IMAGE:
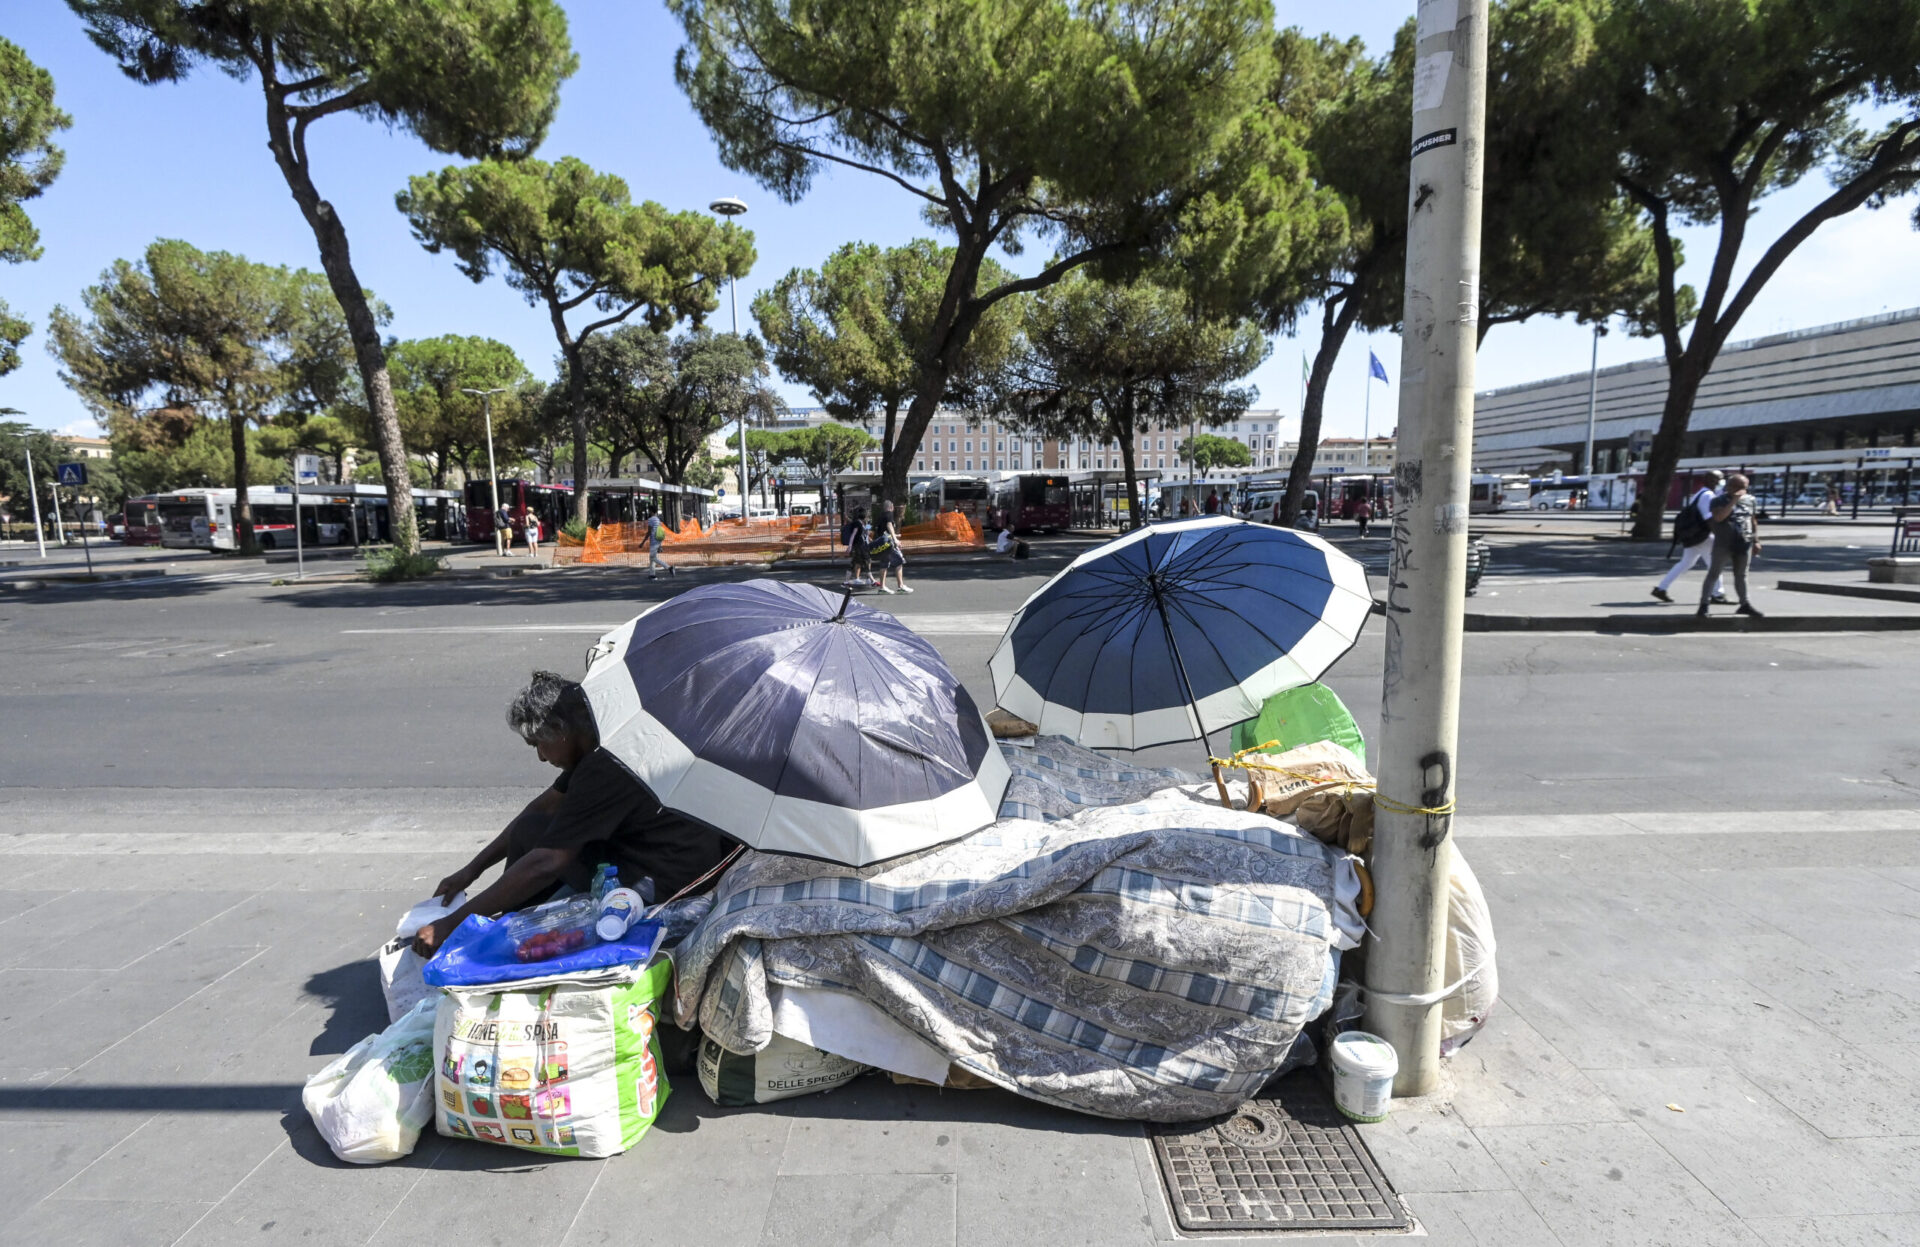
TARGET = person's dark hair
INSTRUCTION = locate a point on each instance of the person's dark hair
(550, 708)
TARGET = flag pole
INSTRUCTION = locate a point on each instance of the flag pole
(1366, 411)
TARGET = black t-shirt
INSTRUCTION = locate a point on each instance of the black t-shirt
(607, 815)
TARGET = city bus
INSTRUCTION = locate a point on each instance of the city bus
(1034, 501)
(551, 504)
(969, 495)
(1489, 494)
(140, 519)
(202, 519)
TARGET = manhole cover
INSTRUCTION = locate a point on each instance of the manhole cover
(1287, 1162)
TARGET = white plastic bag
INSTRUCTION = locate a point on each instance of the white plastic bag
(372, 1101)
(400, 966)
(1470, 957)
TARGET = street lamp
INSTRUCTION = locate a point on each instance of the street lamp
(493, 477)
(730, 208)
(33, 491)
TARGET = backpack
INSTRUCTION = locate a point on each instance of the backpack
(1689, 528)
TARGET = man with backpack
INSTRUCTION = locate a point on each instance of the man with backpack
(1736, 539)
(1693, 533)
(656, 536)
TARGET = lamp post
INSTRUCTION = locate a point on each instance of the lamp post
(1593, 383)
(493, 477)
(39, 536)
(730, 208)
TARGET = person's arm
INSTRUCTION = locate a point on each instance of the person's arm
(533, 873)
(1722, 508)
(541, 807)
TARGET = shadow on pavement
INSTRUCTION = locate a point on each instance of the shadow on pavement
(352, 991)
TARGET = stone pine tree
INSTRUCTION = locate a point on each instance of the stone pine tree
(1207, 451)
(1716, 104)
(29, 162)
(431, 377)
(1109, 133)
(1110, 361)
(473, 78)
(572, 239)
(710, 381)
(1559, 239)
(853, 332)
(201, 329)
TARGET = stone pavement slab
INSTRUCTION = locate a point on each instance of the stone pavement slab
(156, 1087)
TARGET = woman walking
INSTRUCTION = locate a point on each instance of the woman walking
(886, 547)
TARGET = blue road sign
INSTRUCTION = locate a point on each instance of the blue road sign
(73, 474)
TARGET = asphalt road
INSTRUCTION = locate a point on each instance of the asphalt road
(210, 680)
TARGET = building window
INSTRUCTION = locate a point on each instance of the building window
(969, 465)
(952, 446)
(919, 465)
(969, 446)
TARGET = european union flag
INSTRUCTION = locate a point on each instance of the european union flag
(1375, 367)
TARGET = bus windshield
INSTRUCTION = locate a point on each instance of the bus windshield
(966, 491)
(1049, 491)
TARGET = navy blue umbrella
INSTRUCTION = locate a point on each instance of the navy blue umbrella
(1179, 629)
(796, 721)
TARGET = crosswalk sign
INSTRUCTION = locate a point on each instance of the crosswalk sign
(73, 474)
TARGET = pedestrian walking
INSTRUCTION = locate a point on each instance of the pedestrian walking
(1213, 502)
(858, 539)
(1736, 539)
(1363, 515)
(502, 534)
(886, 548)
(1693, 533)
(656, 537)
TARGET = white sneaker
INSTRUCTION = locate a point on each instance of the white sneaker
(906, 588)
(884, 589)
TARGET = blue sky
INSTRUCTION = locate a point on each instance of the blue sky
(190, 161)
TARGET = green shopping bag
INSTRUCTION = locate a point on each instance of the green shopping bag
(1301, 716)
(570, 1066)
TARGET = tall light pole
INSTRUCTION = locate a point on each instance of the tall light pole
(493, 477)
(1426, 580)
(1593, 382)
(33, 492)
(730, 208)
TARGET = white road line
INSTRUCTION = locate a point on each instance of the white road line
(454, 836)
(929, 624)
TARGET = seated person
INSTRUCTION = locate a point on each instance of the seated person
(597, 811)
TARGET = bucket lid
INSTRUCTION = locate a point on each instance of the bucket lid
(1367, 1054)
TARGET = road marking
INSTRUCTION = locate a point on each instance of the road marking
(451, 836)
(928, 624)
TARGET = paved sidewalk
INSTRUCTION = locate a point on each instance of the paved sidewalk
(1707, 1035)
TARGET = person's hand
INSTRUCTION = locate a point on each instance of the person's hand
(459, 881)
(427, 940)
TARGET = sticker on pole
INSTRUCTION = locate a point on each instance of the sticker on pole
(72, 474)
(1439, 138)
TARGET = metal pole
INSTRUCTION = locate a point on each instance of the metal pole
(1366, 411)
(80, 518)
(33, 492)
(1426, 594)
(299, 537)
(1593, 382)
(59, 523)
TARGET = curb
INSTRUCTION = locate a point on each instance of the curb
(1884, 593)
(1669, 625)
(47, 580)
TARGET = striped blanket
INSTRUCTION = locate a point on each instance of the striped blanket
(1154, 960)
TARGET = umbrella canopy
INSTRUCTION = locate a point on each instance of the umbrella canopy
(1178, 629)
(796, 721)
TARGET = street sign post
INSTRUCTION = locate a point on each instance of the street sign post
(306, 471)
(74, 475)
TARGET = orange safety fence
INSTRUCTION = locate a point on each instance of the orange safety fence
(754, 541)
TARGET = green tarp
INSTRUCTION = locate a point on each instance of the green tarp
(1301, 716)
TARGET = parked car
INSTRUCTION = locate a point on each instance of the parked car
(802, 509)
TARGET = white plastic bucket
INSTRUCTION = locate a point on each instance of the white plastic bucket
(1363, 1070)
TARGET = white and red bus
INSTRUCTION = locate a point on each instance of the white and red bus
(550, 504)
(140, 520)
(1034, 501)
(202, 519)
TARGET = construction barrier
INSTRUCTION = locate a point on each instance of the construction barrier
(754, 541)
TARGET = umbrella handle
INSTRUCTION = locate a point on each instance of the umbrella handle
(842, 612)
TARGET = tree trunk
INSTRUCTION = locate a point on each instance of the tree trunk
(1683, 386)
(244, 539)
(1123, 434)
(1335, 324)
(336, 259)
(577, 414)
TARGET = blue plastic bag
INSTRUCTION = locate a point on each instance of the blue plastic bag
(471, 957)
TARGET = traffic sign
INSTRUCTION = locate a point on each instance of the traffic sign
(73, 474)
(1640, 441)
(306, 469)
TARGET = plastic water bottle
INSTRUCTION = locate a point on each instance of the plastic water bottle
(619, 909)
(605, 880)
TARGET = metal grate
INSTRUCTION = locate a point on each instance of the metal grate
(1288, 1161)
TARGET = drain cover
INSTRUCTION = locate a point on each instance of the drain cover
(1286, 1162)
